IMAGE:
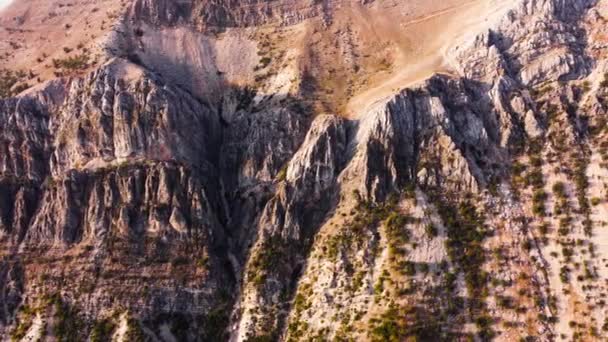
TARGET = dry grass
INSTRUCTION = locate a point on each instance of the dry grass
(33, 33)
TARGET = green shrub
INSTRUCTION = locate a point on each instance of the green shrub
(396, 228)
(269, 257)
(466, 232)
(559, 189)
(582, 183)
(564, 225)
(535, 178)
(430, 230)
(102, 330)
(134, 333)
(518, 168)
(604, 82)
(405, 324)
(282, 174)
(78, 62)
(261, 338)
(24, 322)
(68, 325)
(543, 228)
(504, 302)
(264, 62)
(538, 198)
(215, 324)
(8, 79)
(537, 93)
(409, 268)
(180, 261)
(564, 274)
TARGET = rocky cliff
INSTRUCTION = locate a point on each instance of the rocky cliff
(206, 173)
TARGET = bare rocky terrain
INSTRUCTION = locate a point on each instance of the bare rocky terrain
(302, 170)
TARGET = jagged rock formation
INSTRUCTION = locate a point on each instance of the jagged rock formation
(190, 183)
(225, 14)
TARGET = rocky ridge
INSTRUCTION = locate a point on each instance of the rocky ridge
(136, 206)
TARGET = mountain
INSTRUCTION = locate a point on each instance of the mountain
(303, 170)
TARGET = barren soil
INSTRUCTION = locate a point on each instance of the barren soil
(423, 39)
(34, 32)
(342, 63)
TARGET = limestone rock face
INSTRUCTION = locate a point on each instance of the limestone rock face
(25, 136)
(289, 220)
(117, 114)
(190, 185)
(536, 42)
(230, 13)
(110, 169)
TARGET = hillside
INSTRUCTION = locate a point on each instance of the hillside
(303, 170)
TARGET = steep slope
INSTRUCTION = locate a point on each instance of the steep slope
(297, 170)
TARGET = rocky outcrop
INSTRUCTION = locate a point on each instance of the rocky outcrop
(148, 198)
(157, 197)
(446, 132)
(538, 41)
(107, 180)
(288, 224)
(258, 145)
(120, 113)
(25, 138)
(218, 15)
(443, 135)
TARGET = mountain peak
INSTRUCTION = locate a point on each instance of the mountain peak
(290, 170)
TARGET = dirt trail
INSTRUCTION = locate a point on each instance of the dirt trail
(436, 14)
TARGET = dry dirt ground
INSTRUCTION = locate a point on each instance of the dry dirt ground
(34, 32)
(363, 54)
(422, 40)
(342, 63)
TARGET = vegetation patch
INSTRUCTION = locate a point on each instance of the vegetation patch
(298, 327)
(68, 324)
(215, 324)
(405, 324)
(134, 333)
(604, 83)
(102, 330)
(466, 233)
(582, 184)
(366, 216)
(9, 83)
(72, 64)
(269, 256)
(25, 318)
